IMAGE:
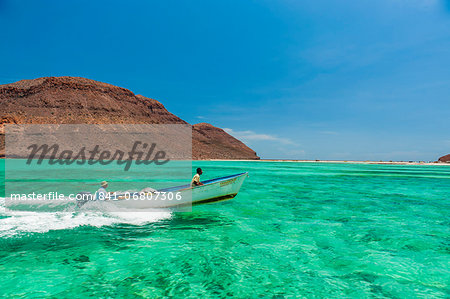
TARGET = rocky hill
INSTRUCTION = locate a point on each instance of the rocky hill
(445, 158)
(73, 100)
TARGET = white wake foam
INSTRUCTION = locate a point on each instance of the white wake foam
(18, 222)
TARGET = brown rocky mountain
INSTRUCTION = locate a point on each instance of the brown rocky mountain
(445, 158)
(73, 100)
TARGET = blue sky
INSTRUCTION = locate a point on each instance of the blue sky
(293, 79)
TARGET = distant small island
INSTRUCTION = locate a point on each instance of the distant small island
(75, 100)
(444, 159)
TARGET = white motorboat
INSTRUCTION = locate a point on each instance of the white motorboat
(214, 190)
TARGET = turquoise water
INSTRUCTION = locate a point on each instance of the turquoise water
(294, 230)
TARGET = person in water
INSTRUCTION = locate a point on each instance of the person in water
(196, 178)
(101, 193)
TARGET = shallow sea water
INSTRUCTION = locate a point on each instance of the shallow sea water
(294, 230)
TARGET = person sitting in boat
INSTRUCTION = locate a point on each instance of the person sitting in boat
(196, 178)
(101, 193)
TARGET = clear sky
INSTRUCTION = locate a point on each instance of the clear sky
(293, 79)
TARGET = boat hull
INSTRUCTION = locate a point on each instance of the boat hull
(215, 190)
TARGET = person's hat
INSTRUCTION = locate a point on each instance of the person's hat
(104, 183)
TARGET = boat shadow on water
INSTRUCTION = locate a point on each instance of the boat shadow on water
(182, 220)
(198, 220)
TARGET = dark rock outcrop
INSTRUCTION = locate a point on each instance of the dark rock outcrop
(444, 159)
(74, 100)
(218, 144)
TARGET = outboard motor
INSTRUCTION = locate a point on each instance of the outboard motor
(83, 198)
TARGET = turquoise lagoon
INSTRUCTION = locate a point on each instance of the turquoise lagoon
(294, 230)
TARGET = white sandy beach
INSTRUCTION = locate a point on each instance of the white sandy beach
(340, 161)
